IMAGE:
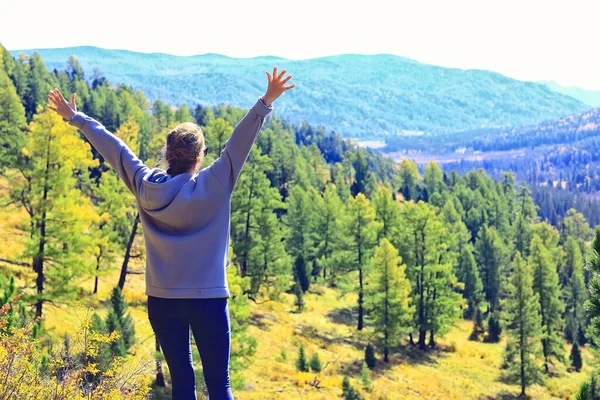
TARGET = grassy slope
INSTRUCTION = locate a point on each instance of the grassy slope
(461, 369)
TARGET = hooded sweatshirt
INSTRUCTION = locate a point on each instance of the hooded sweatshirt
(185, 218)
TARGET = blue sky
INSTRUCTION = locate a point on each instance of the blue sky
(525, 39)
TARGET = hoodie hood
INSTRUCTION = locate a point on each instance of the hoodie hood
(160, 189)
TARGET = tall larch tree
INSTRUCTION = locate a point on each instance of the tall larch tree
(545, 284)
(362, 229)
(490, 255)
(523, 326)
(388, 296)
(59, 214)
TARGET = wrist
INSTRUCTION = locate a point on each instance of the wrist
(267, 100)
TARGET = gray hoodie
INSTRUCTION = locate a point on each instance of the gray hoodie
(185, 218)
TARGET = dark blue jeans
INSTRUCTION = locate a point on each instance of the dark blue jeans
(171, 320)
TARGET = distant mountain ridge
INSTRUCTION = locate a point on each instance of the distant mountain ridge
(367, 96)
(591, 97)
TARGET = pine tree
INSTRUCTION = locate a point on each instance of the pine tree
(299, 293)
(328, 235)
(468, 273)
(574, 293)
(388, 297)
(349, 392)
(526, 216)
(301, 273)
(117, 347)
(301, 362)
(315, 363)
(12, 120)
(50, 195)
(494, 328)
(408, 179)
(478, 328)
(545, 284)
(366, 377)
(422, 244)
(592, 305)
(300, 221)
(575, 357)
(362, 229)
(387, 212)
(523, 325)
(370, 358)
(490, 256)
(125, 322)
(433, 179)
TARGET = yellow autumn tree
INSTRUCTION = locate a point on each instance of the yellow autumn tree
(60, 215)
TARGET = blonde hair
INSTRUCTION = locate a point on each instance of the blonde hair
(183, 149)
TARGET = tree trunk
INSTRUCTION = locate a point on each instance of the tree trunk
(160, 378)
(128, 251)
(431, 340)
(411, 339)
(97, 269)
(360, 299)
(422, 337)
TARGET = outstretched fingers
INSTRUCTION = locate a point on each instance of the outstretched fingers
(270, 77)
(289, 87)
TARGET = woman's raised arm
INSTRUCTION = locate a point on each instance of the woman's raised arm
(228, 166)
(127, 165)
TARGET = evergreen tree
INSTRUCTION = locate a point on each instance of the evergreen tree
(575, 357)
(523, 326)
(526, 216)
(300, 221)
(494, 328)
(12, 120)
(117, 347)
(408, 179)
(433, 179)
(574, 293)
(299, 293)
(388, 297)
(315, 363)
(301, 275)
(362, 169)
(370, 358)
(468, 273)
(363, 230)
(592, 305)
(545, 284)
(478, 328)
(490, 256)
(387, 212)
(349, 392)
(301, 362)
(422, 244)
(125, 322)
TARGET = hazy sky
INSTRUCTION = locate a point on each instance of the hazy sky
(524, 39)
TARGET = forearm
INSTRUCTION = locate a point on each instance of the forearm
(111, 148)
(237, 148)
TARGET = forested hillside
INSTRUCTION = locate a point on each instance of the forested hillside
(364, 96)
(351, 277)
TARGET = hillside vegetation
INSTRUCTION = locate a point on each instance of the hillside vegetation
(357, 95)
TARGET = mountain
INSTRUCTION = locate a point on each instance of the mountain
(567, 130)
(367, 96)
(590, 97)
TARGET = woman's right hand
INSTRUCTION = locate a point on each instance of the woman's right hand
(276, 86)
(60, 105)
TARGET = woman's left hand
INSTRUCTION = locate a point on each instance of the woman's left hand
(60, 105)
(276, 86)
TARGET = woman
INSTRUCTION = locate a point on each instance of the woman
(185, 216)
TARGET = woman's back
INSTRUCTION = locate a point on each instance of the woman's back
(185, 218)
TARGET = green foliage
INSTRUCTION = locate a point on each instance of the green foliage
(315, 363)
(388, 297)
(491, 256)
(575, 357)
(545, 284)
(523, 326)
(301, 275)
(125, 324)
(301, 361)
(494, 328)
(349, 392)
(370, 358)
(478, 328)
(299, 293)
(12, 120)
